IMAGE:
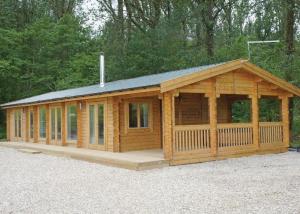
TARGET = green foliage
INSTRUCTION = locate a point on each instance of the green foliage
(47, 46)
(241, 111)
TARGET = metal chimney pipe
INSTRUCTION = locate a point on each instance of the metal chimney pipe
(102, 72)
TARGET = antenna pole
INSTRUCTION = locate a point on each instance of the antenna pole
(259, 42)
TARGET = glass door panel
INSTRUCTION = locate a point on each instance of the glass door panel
(58, 123)
(101, 124)
(97, 125)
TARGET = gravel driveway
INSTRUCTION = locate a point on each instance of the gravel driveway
(46, 184)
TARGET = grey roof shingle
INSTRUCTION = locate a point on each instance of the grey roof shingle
(119, 85)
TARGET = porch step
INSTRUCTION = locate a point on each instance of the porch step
(29, 151)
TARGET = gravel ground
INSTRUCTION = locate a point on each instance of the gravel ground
(47, 184)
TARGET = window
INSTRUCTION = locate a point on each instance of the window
(138, 115)
(42, 118)
(72, 122)
(18, 123)
(96, 124)
(31, 124)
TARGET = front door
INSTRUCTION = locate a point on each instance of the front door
(97, 126)
(55, 127)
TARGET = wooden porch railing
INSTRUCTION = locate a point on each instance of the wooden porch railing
(234, 135)
(270, 132)
(191, 138)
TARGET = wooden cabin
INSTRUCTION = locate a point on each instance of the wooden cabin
(185, 113)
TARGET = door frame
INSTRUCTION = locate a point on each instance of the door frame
(55, 141)
(96, 145)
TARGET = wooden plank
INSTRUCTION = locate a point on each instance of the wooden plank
(79, 108)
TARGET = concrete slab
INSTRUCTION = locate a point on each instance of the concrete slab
(135, 160)
(29, 151)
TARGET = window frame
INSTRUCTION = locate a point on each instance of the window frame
(56, 139)
(127, 116)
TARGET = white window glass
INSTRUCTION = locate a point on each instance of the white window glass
(101, 124)
(144, 115)
(72, 122)
(133, 121)
(92, 124)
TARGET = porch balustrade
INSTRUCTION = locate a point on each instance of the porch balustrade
(189, 138)
(271, 133)
(196, 138)
(234, 135)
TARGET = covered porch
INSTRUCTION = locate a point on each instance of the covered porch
(221, 117)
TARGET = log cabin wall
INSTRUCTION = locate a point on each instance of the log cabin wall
(140, 138)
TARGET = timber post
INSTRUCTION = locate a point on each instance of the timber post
(35, 125)
(80, 106)
(8, 138)
(116, 125)
(63, 124)
(285, 120)
(167, 125)
(255, 116)
(47, 124)
(213, 120)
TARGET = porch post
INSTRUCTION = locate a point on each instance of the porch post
(8, 125)
(167, 103)
(285, 120)
(255, 116)
(213, 120)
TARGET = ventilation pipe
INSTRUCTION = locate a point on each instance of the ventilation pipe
(102, 72)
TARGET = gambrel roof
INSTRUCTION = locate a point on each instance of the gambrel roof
(166, 81)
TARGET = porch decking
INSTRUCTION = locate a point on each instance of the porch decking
(135, 160)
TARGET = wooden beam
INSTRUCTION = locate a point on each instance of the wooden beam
(79, 123)
(35, 124)
(116, 124)
(8, 123)
(285, 120)
(255, 115)
(63, 125)
(47, 124)
(213, 119)
(167, 125)
(27, 125)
